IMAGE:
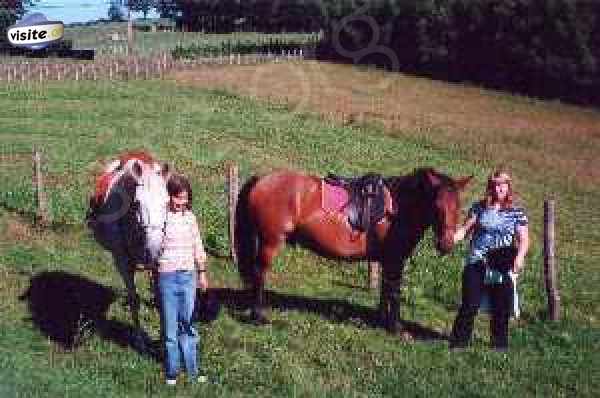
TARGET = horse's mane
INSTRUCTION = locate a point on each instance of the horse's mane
(415, 182)
(140, 155)
(113, 171)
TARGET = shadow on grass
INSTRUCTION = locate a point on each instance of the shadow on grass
(69, 308)
(336, 310)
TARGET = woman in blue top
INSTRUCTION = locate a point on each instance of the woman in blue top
(499, 243)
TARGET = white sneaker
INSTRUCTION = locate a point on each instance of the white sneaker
(171, 382)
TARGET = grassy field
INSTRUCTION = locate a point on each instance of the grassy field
(322, 341)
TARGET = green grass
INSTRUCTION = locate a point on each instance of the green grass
(305, 352)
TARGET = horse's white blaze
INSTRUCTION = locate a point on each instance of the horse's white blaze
(151, 196)
(151, 193)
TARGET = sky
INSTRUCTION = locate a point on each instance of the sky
(69, 11)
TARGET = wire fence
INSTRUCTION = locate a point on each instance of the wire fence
(128, 68)
(27, 187)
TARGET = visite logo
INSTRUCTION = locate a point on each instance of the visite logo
(34, 31)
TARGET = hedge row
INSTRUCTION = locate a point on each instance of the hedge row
(271, 45)
(539, 47)
(547, 48)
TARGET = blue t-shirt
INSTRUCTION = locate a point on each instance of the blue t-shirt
(494, 229)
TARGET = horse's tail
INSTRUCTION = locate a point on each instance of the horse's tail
(245, 235)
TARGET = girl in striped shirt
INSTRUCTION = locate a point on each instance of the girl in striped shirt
(499, 243)
(181, 268)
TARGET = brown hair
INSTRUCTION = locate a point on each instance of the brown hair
(177, 184)
(500, 175)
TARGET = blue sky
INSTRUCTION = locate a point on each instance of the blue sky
(69, 11)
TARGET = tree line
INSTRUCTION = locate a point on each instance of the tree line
(548, 48)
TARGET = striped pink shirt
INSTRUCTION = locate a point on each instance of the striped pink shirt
(182, 243)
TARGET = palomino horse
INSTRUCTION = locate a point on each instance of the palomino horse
(288, 206)
(127, 214)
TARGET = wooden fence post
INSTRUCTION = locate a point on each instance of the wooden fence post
(234, 189)
(550, 267)
(373, 266)
(374, 274)
(129, 34)
(42, 213)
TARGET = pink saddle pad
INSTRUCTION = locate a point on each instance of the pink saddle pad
(334, 198)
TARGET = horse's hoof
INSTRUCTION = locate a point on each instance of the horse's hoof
(139, 342)
(406, 337)
(392, 328)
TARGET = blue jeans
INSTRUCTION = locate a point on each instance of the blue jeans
(177, 292)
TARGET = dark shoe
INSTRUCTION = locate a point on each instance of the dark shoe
(501, 349)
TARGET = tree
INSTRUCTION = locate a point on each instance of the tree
(167, 8)
(115, 13)
(143, 6)
(10, 12)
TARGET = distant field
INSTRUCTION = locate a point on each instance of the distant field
(99, 37)
(321, 342)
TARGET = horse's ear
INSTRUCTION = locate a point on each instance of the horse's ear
(462, 182)
(433, 178)
(137, 170)
(165, 170)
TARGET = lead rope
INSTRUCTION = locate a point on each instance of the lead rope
(164, 236)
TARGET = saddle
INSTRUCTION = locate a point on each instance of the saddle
(366, 198)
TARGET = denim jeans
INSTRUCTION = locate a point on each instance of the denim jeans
(177, 291)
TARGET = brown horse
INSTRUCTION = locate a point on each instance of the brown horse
(287, 205)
